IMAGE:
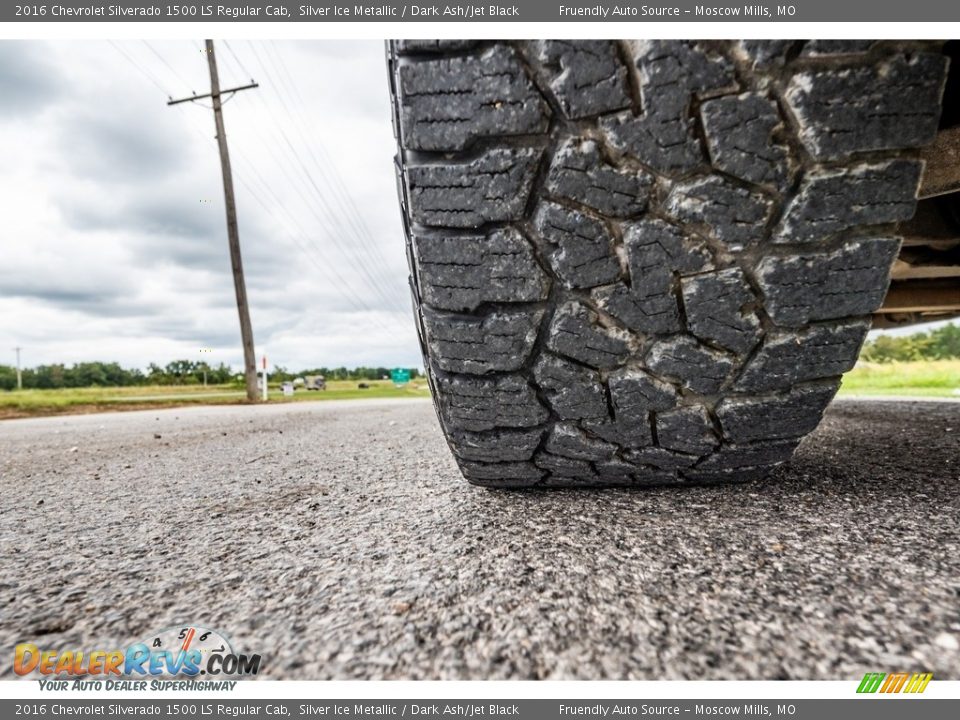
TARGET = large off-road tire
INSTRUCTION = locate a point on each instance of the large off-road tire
(650, 262)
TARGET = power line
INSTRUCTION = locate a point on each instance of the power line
(390, 290)
(343, 284)
(346, 291)
(139, 68)
(339, 185)
(334, 181)
(169, 66)
(375, 260)
(238, 60)
(362, 268)
(233, 233)
(345, 287)
(365, 240)
(279, 203)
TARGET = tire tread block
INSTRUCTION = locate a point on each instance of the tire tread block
(891, 104)
(788, 358)
(490, 188)
(732, 214)
(496, 445)
(687, 429)
(695, 366)
(831, 201)
(714, 305)
(476, 404)
(461, 273)
(581, 247)
(576, 333)
(496, 342)
(847, 282)
(586, 76)
(579, 173)
(448, 102)
(739, 132)
(671, 73)
(656, 251)
(788, 416)
(572, 391)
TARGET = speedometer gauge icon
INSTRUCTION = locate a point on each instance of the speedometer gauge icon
(199, 642)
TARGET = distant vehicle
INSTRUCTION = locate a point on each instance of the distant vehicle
(315, 382)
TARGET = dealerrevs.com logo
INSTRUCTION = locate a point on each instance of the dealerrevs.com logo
(184, 653)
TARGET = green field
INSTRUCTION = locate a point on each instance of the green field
(929, 378)
(26, 403)
(937, 378)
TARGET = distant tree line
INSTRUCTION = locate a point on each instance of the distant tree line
(178, 372)
(940, 344)
(341, 373)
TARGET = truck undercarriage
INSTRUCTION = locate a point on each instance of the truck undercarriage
(925, 280)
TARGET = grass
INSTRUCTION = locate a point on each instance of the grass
(29, 403)
(939, 378)
(933, 378)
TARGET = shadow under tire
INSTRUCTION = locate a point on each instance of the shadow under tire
(650, 262)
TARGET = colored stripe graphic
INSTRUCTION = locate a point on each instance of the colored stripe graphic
(895, 682)
(870, 682)
(918, 682)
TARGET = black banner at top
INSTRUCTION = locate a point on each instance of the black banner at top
(518, 11)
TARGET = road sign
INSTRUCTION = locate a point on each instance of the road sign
(400, 376)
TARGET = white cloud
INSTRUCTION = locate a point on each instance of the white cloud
(114, 237)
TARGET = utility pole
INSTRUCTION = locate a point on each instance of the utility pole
(233, 233)
(19, 376)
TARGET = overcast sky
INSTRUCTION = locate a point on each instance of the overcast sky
(113, 234)
(113, 242)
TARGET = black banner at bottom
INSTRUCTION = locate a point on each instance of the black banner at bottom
(872, 707)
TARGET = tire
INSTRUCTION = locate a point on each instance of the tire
(650, 263)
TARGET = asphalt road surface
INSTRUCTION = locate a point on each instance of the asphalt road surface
(337, 540)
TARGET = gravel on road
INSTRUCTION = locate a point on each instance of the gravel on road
(338, 540)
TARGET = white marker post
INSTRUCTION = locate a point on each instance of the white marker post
(264, 377)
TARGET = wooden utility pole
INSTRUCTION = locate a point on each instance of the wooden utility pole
(233, 233)
(19, 376)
